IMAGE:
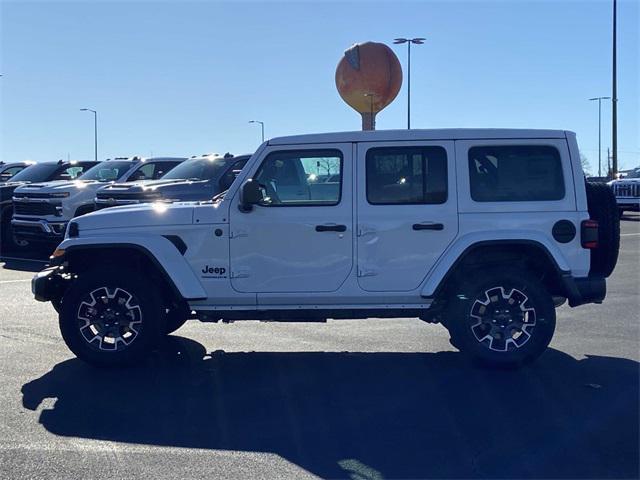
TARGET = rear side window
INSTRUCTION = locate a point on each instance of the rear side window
(406, 175)
(515, 173)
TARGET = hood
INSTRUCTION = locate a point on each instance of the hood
(141, 185)
(59, 186)
(133, 216)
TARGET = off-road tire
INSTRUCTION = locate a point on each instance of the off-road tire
(602, 206)
(8, 242)
(143, 304)
(468, 328)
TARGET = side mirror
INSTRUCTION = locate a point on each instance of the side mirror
(250, 194)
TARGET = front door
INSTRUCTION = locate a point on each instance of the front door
(299, 238)
(407, 211)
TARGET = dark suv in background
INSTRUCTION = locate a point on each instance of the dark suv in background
(198, 178)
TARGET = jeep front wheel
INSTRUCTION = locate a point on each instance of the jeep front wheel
(111, 318)
(503, 317)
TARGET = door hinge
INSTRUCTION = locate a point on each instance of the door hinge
(365, 230)
(240, 274)
(238, 234)
(363, 272)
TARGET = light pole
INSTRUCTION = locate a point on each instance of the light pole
(261, 127)
(95, 130)
(409, 41)
(599, 99)
(614, 100)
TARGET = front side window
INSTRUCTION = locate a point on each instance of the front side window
(229, 177)
(406, 175)
(515, 173)
(301, 178)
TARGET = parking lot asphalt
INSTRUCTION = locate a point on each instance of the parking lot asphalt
(365, 399)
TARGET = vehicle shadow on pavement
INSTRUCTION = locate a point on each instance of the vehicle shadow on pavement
(362, 415)
(21, 265)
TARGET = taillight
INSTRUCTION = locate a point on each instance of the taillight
(589, 234)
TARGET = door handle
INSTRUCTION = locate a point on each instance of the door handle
(428, 226)
(331, 228)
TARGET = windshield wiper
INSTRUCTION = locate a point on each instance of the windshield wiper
(220, 195)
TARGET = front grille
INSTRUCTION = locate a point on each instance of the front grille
(39, 208)
(31, 195)
(626, 189)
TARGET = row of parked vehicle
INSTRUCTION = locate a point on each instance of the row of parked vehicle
(37, 200)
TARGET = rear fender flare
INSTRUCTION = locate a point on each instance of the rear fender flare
(464, 244)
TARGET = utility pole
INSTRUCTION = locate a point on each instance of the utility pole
(609, 176)
(614, 100)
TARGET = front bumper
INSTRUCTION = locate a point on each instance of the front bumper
(628, 203)
(38, 230)
(48, 284)
(584, 290)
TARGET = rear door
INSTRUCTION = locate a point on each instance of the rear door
(407, 211)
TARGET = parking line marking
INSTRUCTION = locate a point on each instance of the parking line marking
(16, 281)
(629, 234)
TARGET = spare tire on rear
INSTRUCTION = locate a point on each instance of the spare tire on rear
(602, 207)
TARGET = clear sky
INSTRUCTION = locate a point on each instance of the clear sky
(184, 78)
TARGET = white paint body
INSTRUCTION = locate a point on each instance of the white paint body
(273, 258)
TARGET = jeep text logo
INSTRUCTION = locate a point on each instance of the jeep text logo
(217, 271)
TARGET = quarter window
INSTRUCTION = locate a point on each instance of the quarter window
(301, 178)
(406, 175)
(515, 173)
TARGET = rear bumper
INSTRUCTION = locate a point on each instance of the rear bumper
(584, 290)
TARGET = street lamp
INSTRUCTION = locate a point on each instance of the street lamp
(599, 99)
(95, 130)
(261, 127)
(409, 41)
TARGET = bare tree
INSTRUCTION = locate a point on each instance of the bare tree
(586, 166)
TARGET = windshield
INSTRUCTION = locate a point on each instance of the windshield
(106, 171)
(40, 172)
(198, 169)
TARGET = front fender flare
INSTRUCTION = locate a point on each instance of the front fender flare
(160, 251)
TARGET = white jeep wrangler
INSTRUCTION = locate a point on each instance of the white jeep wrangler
(484, 231)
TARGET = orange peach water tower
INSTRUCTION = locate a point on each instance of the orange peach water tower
(368, 78)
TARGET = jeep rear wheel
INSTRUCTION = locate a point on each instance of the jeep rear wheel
(506, 317)
(111, 318)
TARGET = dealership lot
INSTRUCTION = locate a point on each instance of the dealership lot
(356, 399)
